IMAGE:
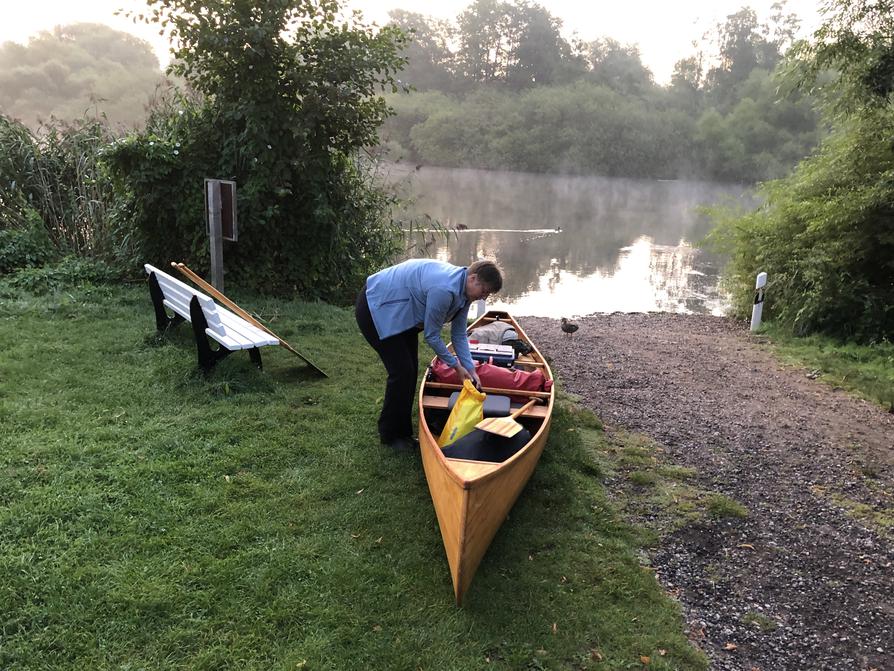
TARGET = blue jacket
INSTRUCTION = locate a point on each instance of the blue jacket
(423, 293)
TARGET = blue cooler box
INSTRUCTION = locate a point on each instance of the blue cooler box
(503, 355)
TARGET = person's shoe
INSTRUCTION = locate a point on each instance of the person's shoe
(407, 444)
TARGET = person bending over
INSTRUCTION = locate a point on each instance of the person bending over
(400, 301)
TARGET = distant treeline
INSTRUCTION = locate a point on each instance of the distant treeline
(85, 67)
(501, 88)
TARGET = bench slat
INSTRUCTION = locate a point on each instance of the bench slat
(178, 296)
(228, 341)
(227, 328)
(237, 327)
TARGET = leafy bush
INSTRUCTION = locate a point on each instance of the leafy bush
(54, 179)
(288, 101)
(71, 271)
(24, 247)
(824, 237)
(590, 128)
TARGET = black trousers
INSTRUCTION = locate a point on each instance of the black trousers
(400, 354)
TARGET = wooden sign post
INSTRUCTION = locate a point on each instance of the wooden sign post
(220, 213)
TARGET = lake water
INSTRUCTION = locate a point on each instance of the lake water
(572, 246)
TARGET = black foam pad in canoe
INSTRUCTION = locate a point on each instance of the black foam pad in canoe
(494, 405)
(484, 446)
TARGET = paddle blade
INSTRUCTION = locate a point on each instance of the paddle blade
(501, 426)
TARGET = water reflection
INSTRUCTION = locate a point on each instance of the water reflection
(576, 245)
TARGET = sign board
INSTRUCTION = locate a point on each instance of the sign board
(227, 200)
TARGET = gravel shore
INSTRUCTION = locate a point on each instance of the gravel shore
(806, 580)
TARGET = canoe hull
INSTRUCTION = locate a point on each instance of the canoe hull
(471, 498)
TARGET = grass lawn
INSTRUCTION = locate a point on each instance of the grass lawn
(867, 370)
(152, 518)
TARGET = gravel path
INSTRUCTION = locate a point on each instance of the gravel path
(796, 452)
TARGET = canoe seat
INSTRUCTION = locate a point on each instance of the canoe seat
(494, 405)
(432, 402)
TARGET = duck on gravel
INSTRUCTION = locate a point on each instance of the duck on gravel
(568, 327)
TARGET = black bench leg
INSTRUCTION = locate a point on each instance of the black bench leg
(162, 321)
(255, 355)
(207, 356)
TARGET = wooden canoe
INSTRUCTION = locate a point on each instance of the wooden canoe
(473, 498)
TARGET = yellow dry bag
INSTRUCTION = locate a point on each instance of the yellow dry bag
(467, 412)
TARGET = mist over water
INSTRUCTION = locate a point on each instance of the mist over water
(572, 246)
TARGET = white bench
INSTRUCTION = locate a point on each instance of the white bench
(208, 319)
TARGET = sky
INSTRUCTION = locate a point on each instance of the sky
(663, 30)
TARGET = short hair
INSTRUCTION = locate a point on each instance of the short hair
(488, 273)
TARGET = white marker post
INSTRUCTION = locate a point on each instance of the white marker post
(758, 308)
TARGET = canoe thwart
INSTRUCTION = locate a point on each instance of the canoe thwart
(492, 390)
(431, 402)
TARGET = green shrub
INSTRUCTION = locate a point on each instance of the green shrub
(824, 237)
(70, 271)
(53, 179)
(25, 247)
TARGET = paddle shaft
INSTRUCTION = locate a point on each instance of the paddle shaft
(182, 267)
(527, 405)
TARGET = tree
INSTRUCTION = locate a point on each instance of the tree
(857, 42)
(618, 66)
(64, 72)
(543, 57)
(514, 43)
(430, 62)
(485, 43)
(745, 44)
(687, 82)
(288, 98)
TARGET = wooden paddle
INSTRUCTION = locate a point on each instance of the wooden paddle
(242, 313)
(505, 427)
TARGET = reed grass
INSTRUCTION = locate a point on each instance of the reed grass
(56, 173)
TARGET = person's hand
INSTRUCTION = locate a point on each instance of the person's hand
(465, 374)
(475, 379)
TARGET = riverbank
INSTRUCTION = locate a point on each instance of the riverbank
(800, 575)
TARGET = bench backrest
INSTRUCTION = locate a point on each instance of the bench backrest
(178, 296)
